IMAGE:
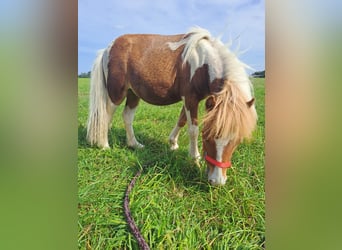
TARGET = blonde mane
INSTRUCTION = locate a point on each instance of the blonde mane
(230, 117)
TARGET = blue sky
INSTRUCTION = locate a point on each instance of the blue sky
(240, 21)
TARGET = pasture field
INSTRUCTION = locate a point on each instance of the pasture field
(172, 202)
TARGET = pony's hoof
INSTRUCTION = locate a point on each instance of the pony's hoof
(197, 162)
(136, 145)
(105, 147)
(196, 157)
(139, 146)
(174, 146)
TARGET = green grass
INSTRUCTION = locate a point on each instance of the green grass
(172, 202)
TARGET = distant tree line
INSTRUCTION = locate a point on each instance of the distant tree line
(259, 74)
(84, 75)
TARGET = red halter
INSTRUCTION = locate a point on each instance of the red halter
(217, 163)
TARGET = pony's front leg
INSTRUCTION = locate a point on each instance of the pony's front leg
(173, 138)
(191, 112)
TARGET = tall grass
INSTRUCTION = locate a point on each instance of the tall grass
(172, 202)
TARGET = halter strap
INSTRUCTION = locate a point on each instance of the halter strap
(217, 163)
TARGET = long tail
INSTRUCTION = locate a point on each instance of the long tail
(97, 126)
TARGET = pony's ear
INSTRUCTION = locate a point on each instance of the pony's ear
(210, 103)
(250, 103)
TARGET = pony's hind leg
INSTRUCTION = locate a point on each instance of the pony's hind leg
(111, 107)
(173, 138)
(132, 102)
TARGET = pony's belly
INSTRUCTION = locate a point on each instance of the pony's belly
(156, 94)
(158, 100)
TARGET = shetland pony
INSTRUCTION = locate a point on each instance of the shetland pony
(165, 69)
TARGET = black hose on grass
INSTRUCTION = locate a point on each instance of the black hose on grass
(131, 223)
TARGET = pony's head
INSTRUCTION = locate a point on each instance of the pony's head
(229, 119)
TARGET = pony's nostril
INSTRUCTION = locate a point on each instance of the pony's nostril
(212, 181)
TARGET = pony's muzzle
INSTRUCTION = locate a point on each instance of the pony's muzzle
(216, 177)
(216, 182)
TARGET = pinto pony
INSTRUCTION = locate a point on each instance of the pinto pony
(165, 69)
